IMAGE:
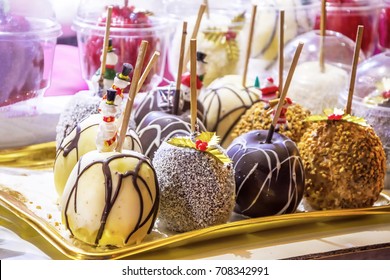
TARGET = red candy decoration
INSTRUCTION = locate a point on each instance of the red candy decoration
(335, 117)
(201, 145)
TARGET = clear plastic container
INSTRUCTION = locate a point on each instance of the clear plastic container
(384, 26)
(219, 36)
(28, 33)
(300, 18)
(369, 100)
(129, 26)
(28, 36)
(311, 87)
(338, 49)
(345, 16)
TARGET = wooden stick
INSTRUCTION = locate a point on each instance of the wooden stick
(323, 35)
(206, 3)
(132, 93)
(284, 93)
(194, 93)
(105, 47)
(249, 44)
(146, 72)
(281, 51)
(355, 62)
(195, 32)
(180, 69)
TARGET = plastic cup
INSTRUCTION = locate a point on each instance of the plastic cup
(338, 49)
(346, 16)
(129, 26)
(384, 26)
(299, 18)
(219, 35)
(28, 33)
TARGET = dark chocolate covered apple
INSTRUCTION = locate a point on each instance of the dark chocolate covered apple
(269, 177)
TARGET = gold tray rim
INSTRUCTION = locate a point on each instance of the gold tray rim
(24, 157)
(53, 237)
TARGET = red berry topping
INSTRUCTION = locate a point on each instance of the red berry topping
(202, 146)
(335, 117)
(230, 35)
(386, 94)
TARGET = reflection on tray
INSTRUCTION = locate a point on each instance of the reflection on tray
(38, 156)
(29, 196)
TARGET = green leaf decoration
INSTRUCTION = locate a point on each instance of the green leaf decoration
(239, 19)
(328, 112)
(354, 119)
(210, 137)
(218, 36)
(346, 118)
(232, 50)
(183, 142)
(316, 118)
(212, 140)
(218, 155)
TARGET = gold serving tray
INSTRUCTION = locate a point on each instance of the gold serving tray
(28, 203)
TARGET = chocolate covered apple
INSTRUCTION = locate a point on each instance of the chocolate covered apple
(344, 160)
(157, 127)
(162, 99)
(81, 140)
(224, 101)
(111, 197)
(172, 99)
(259, 117)
(269, 177)
(196, 182)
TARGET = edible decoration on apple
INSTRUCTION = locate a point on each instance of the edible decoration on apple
(258, 117)
(168, 120)
(195, 176)
(228, 97)
(111, 198)
(269, 173)
(343, 157)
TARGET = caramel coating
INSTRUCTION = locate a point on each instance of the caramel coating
(256, 118)
(344, 164)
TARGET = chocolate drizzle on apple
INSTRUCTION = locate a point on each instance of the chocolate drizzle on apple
(157, 127)
(163, 99)
(214, 97)
(110, 197)
(73, 144)
(270, 177)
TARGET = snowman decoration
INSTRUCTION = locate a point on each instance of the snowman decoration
(185, 87)
(109, 70)
(106, 139)
(122, 81)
